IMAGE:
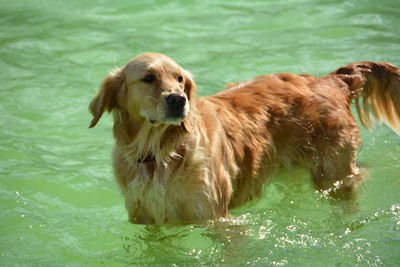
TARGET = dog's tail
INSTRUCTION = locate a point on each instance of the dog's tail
(375, 87)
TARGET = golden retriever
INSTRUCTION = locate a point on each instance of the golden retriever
(182, 159)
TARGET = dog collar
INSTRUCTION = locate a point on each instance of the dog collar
(148, 159)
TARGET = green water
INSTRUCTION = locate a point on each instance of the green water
(58, 201)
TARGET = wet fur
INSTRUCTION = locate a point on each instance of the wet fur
(230, 144)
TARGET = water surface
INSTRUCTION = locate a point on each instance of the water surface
(59, 203)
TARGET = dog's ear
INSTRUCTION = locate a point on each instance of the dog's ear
(106, 98)
(190, 89)
(190, 86)
(186, 126)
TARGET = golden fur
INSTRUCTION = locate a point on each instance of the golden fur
(224, 148)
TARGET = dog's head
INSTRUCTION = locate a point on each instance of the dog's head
(150, 87)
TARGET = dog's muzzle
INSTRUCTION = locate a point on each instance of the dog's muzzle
(175, 106)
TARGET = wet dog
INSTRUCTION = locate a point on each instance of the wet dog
(181, 159)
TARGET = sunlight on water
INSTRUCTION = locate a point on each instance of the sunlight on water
(59, 203)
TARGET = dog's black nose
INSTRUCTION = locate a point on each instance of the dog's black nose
(176, 105)
(176, 101)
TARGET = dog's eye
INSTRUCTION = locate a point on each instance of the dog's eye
(180, 79)
(149, 78)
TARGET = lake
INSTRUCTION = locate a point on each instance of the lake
(59, 203)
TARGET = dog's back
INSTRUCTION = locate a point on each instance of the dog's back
(286, 119)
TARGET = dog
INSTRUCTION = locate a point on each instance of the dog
(182, 159)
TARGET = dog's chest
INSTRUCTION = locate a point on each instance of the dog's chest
(169, 195)
(153, 195)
